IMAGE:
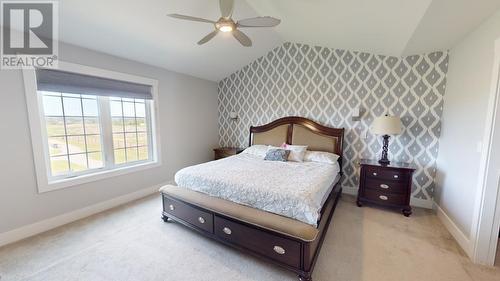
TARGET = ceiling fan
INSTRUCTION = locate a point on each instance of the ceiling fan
(226, 24)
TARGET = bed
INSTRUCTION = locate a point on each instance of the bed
(278, 211)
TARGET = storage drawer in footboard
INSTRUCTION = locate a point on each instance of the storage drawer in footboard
(278, 248)
(190, 214)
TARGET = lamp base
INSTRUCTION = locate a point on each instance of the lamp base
(385, 147)
(384, 162)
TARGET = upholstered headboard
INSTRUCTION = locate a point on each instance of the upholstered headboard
(299, 131)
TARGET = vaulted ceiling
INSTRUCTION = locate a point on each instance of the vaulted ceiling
(141, 31)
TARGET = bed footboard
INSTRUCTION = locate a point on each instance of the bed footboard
(282, 249)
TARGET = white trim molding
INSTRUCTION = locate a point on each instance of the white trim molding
(486, 217)
(50, 223)
(47, 183)
(462, 239)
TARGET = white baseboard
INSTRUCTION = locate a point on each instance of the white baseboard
(459, 236)
(50, 223)
(415, 202)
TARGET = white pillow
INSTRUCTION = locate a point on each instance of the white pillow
(269, 147)
(297, 152)
(257, 150)
(321, 157)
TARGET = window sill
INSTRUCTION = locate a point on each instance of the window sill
(64, 183)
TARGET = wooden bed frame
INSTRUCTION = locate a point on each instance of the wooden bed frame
(300, 256)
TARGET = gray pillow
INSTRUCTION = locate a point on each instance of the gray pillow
(276, 154)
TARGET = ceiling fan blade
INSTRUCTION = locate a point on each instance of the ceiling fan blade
(259, 22)
(208, 37)
(226, 8)
(190, 18)
(240, 36)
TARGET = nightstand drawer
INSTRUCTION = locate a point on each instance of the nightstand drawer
(386, 174)
(391, 186)
(384, 197)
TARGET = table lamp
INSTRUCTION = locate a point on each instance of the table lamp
(385, 126)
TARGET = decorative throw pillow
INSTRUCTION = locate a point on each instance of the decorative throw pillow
(277, 154)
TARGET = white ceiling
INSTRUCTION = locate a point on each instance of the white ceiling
(141, 31)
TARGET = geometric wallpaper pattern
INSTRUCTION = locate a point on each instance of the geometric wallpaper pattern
(326, 84)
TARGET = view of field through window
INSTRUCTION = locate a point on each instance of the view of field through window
(75, 140)
(73, 131)
(130, 136)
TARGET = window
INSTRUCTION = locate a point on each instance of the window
(130, 133)
(73, 132)
(90, 126)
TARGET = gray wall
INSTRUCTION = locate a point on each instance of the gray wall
(325, 84)
(188, 120)
(464, 119)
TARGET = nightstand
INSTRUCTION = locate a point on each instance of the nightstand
(223, 152)
(386, 185)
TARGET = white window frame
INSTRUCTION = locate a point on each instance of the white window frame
(39, 138)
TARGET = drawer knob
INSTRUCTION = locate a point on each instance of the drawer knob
(171, 207)
(279, 250)
(375, 174)
(201, 220)
(383, 197)
(396, 176)
(384, 186)
(227, 230)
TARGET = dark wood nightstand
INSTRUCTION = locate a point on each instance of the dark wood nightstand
(386, 185)
(223, 152)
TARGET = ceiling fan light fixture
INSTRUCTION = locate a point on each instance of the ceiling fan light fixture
(226, 28)
(226, 23)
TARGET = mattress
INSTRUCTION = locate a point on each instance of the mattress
(292, 189)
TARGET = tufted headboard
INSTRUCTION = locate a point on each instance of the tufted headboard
(299, 131)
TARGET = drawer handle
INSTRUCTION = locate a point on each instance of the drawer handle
(375, 174)
(227, 230)
(279, 250)
(384, 186)
(383, 197)
(171, 207)
(396, 176)
(201, 220)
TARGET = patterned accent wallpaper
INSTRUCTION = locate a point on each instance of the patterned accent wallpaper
(325, 85)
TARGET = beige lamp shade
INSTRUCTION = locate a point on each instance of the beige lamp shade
(386, 125)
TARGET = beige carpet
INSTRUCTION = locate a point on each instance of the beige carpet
(133, 243)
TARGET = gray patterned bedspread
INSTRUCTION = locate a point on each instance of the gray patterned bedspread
(292, 189)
